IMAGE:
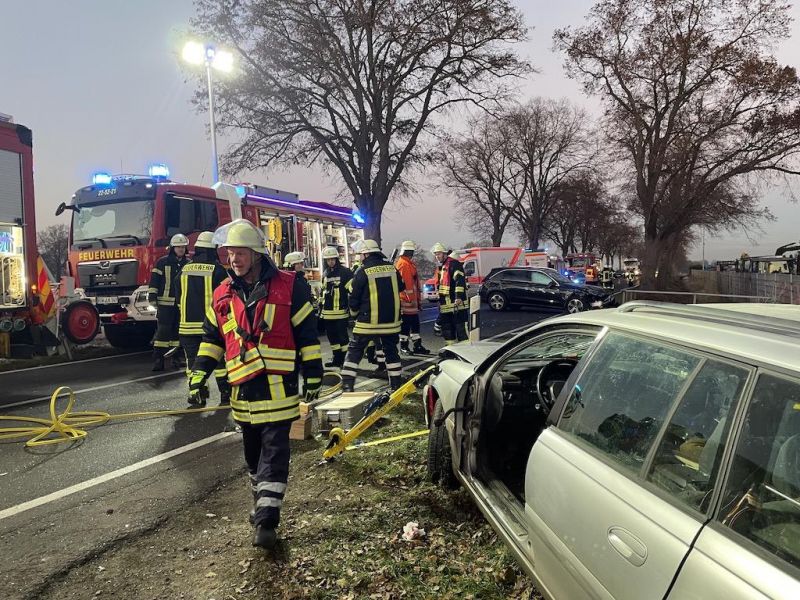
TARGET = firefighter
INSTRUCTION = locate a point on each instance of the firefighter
(161, 293)
(607, 277)
(410, 302)
(461, 314)
(259, 321)
(193, 291)
(335, 309)
(375, 302)
(452, 295)
(374, 358)
(295, 261)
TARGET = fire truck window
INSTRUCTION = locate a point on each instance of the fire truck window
(188, 215)
(469, 269)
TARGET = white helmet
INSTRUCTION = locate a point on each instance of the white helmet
(240, 233)
(408, 245)
(330, 252)
(455, 255)
(205, 240)
(178, 240)
(369, 246)
(293, 258)
(438, 247)
(356, 246)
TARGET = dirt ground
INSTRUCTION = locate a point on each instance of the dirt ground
(340, 535)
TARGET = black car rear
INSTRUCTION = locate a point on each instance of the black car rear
(510, 287)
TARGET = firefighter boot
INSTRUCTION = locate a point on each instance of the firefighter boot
(371, 355)
(419, 348)
(265, 537)
(395, 382)
(158, 359)
(404, 349)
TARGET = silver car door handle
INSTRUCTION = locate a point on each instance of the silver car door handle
(627, 545)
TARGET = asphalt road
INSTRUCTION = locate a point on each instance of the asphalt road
(32, 481)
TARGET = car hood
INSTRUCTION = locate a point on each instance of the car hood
(472, 352)
(595, 290)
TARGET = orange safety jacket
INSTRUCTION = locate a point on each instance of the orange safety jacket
(410, 298)
(267, 348)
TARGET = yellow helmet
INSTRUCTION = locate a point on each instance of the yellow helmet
(408, 245)
(438, 247)
(241, 233)
(330, 252)
(357, 246)
(293, 258)
(178, 240)
(369, 246)
(205, 240)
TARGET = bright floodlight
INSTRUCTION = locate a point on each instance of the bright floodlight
(222, 61)
(194, 53)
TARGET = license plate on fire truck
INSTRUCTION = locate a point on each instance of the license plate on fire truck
(107, 300)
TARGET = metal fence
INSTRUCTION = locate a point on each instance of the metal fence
(775, 287)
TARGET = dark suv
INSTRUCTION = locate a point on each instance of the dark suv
(508, 287)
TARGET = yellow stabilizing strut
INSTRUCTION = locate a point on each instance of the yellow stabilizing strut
(68, 426)
(339, 439)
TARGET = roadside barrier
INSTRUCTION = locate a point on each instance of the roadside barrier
(69, 426)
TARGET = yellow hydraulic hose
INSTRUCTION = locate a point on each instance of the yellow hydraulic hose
(69, 426)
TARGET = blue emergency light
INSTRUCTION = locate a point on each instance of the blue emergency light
(241, 191)
(158, 171)
(101, 179)
(358, 218)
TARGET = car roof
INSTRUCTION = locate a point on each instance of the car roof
(765, 333)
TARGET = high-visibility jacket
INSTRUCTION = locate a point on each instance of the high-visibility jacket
(194, 290)
(162, 278)
(452, 285)
(375, 299)
(410, 297)
(258, 331)
(335, 293)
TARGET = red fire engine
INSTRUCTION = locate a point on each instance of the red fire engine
(121, 225)
(583, 267)
(26, 303)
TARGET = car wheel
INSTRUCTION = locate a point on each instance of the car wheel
(575, 305)
(497, 301)
(440, 456)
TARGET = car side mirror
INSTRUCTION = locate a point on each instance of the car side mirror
(553, 285)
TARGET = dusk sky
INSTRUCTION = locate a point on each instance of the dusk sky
(100, 85)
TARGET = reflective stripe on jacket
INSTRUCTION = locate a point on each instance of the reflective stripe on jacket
(194, 290)
(452, 285)
(267, 347)
(375, 300)
(335, 293)
(162, 278)
(410, 297)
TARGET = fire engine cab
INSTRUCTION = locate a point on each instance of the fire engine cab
(583, 267)
(121, 225)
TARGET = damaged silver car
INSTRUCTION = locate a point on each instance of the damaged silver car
(650, 451)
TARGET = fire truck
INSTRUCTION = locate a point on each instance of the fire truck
(122, 224)
(26, 301)
(583, 267)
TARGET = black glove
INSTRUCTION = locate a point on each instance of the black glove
(312, 387)
(197, 381)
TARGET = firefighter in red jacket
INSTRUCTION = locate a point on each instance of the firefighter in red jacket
(262, 324)
(410, 302)
(452, 295)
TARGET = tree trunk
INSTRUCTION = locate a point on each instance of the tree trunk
(497, 238)
(372, 226)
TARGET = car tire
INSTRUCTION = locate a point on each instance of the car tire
(497, 301)
(440, 455)
(575, 305)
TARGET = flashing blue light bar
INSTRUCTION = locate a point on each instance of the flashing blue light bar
(101, 179)
(358, 218)
(241, 191)
(160, 171)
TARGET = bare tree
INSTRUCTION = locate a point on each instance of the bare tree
(477, 168)
(694, 104)
(354, 84)
(577, 209)
(53, 243)
(549, 144)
